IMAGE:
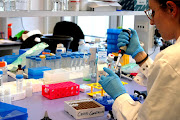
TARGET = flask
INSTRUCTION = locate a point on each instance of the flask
(7, 96)
(3, 67)
(19, 82)
(1, 79)
(29, 89)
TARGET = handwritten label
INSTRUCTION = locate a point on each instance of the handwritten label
(141, 2)
(89, 113)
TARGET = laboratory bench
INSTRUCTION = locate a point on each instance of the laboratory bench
(38, 104)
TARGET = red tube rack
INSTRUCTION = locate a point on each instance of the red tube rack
(59, 90)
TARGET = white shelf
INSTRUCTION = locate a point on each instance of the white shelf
(66, 13)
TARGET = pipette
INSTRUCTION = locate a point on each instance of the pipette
(122, 49)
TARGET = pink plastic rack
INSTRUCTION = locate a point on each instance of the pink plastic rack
(59, 90)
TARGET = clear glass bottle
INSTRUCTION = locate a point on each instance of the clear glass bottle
(29, 89)
(19, 82)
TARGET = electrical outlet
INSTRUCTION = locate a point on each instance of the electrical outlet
(143, 27)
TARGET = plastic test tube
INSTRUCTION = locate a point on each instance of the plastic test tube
(81, 65)
(28, 58)
(48, 62)
(64, 61)
(69, 50)
(68, 61)
(53, 62)
(38, 62)
(1, 78)
(33, 61)
(43, 60)
(19, 82)
(58, 62)
(76, 62)
(72, 62)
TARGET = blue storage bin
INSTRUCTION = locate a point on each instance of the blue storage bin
(10, 58)
(12, 112)
(37, 72)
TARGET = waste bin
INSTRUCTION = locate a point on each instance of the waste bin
(52, 41)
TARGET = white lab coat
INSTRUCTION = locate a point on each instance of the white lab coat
(163, 87)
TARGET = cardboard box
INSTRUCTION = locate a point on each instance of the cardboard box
(134, 5)
(73, 108)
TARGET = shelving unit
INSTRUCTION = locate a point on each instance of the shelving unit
(66, 13)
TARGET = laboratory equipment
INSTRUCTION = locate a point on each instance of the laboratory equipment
(83, 47)
(43, 60)
(1, 6)
(100, 71)
(19, 70)
(73, 5)
(72, 62)
(83, 6)
(7, 95)
(23, 5)
(64, 61)
(122, 49)
(37, 73)
(33, 61)
(48, 62)
(111, 62)
(1, 78)
(27, 64)
(19, 82)
(29, 89)
(53, 62)
(86, 73)
(58, 62)
(46, 117)
(1, 95)
(57, 5)
(89, 107)
(69, 50)
(9, 30)
(59, 90)
(3, 67)
(102, 57)
(58, 52)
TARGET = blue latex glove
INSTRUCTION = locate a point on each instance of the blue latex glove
(112, 84)
(134, 46)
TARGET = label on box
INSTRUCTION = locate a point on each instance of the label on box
(141, 2)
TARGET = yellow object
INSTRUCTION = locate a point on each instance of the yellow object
(91, 89)
(102, 92)
(94, 93)
(124, 59)
(42, 56)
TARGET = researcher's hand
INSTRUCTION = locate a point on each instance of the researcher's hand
(134, 46)
(112, 84)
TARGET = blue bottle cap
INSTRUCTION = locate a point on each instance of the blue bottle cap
(64, 56)
(47, 50)
(69, 55)
(81, 56)
(77, 56)
(48, 58)
(53, 57)
(72, 57)
(86, 54)
(33, 58)
(70, 50)
(58, 57)
(19, 76)
(1, 72)
(59, 50)
(38, 59)
(28, 57)
(89, 53)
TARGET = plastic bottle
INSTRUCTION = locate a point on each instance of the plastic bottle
(43, 60)
(38, 62)
(1, 95)
(83, 47)
(29, 89)
(53, 62)
(1, 79)
(1, 5)
(9, 30)
(61, 47)
(58, 52)
(58, 62)
(48, 62)
(33, 61)
(3, 67)
(23, 4)
(73, 5)
(19, 82)
(7, 96)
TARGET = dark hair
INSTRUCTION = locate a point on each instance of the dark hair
(163, 2)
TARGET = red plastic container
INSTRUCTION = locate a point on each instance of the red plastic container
(59, 90)
(9, 30)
